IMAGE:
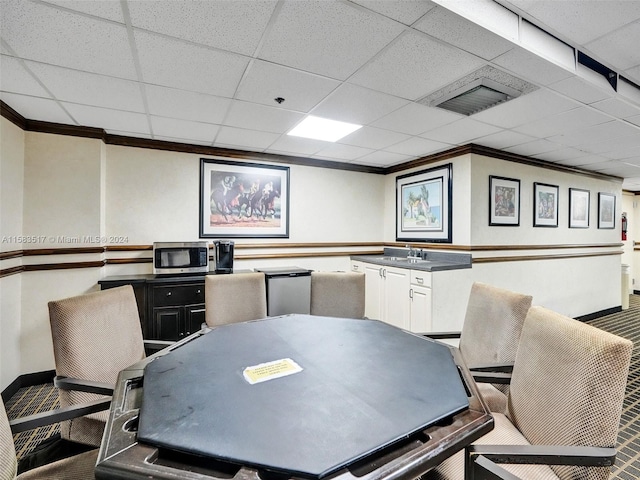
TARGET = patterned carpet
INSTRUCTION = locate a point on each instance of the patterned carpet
(626, 324)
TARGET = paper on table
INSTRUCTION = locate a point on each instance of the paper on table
(270, 370)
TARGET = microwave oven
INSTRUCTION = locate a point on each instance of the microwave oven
(180, 257)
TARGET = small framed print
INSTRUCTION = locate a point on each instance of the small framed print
(545, 205)
(578, 208)
(504, 201)
(606, 210)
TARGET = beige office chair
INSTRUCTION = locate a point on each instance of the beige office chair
(234, 298)
(490, 335)
(337, 294)
(94, 337)
(567, 389)
(77, 467)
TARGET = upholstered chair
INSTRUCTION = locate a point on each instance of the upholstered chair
(234, 298)
(567, 389)
(94, 337)
(491, 333)
(337, 294)
(77, 467)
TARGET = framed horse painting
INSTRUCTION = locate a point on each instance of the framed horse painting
(239, 199)
(424, 206)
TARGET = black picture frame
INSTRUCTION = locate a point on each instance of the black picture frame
(504, 201)
(545, 205)
(606, 210)
(579, 208)
(241, 199)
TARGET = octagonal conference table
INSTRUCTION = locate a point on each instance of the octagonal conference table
(295, 396)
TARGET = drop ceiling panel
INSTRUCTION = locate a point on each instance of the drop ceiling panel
(590, 136)
(173, 63)
(239, 137)
(371, 137)
(108, 10)
(635, 120)
(171, 102)
(15, 78)
(354, 104)
(35, 107)
(328, 38)
(235, 25)
(417, 146)
(50, 35)
(384, 159)
(107, 118)
(183, 129)
(580, 89)
(560, 154)
(265, 81)
(461, 131)
(296, 145)
(617, 107)
(406, 11)
(531, 67)
(406, 68)
(415, 119)
(344, 152)
(460, 32)
(614, 47)
(565, 122)
(504, 139)
(259, 117)
(535, 147)
(89, 88)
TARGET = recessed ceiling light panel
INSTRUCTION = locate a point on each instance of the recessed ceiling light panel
(319, 128)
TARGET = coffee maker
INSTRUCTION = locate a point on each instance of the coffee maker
(223, 251)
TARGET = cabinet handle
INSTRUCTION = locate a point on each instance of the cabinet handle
(168, 294)
(198, 291)
(354, 268)
(420, 280)
(411, 293)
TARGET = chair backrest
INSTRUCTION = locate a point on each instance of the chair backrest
(568, 385)
(8, 462)
(95, 336)
(338, 294)
(492, 324)
(234, 298)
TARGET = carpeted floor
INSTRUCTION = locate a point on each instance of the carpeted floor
(626, 324)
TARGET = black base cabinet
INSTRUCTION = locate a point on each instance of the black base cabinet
(170, 308)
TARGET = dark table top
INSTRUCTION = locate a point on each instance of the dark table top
(298, 395)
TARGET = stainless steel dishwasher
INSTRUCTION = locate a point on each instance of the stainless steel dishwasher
(288, 290)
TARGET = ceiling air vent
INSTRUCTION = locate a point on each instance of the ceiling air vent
(484, 88)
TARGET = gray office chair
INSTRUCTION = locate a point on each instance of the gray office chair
(564, 406)
(234, 298)
(338, 294)
(94, 337)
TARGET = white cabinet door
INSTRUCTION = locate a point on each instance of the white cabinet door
(420, 309)
(374, 291)
(396, 295)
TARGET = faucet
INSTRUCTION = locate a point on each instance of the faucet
(413, 252)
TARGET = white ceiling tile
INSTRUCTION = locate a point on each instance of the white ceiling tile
(262, 118)
(187, 141)
(580, 89)
(240, 137)
(460, 132)
(384, 159)
(595, 136)
(625, 152)
(526, 108)
(173, 63)
(633, 74)
(536, 147)
(171, 127)
(584, 160)
(42, 33)
(417, 146)
(564, 122)
(415, 119)
(620, 47)
(327, 38)
(37, 108)
(14, 78)
(616, 107)
(504, 139)
(108, 9)
(406, 68)
(266, 81)
(344, 152)
(371, 137)
(235, 25)
(198, 107)
(354, 104)
(297, 145)
(460, 32)
(405, 11)
(635, 120)
(89, 88)
(561, 154)
(531, 67)
(108, 119)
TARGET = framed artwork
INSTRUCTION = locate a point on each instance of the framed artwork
(504, 201)
(578, 208)
(243, 199)
(424, 205)
(606, 210)
(545, 205)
